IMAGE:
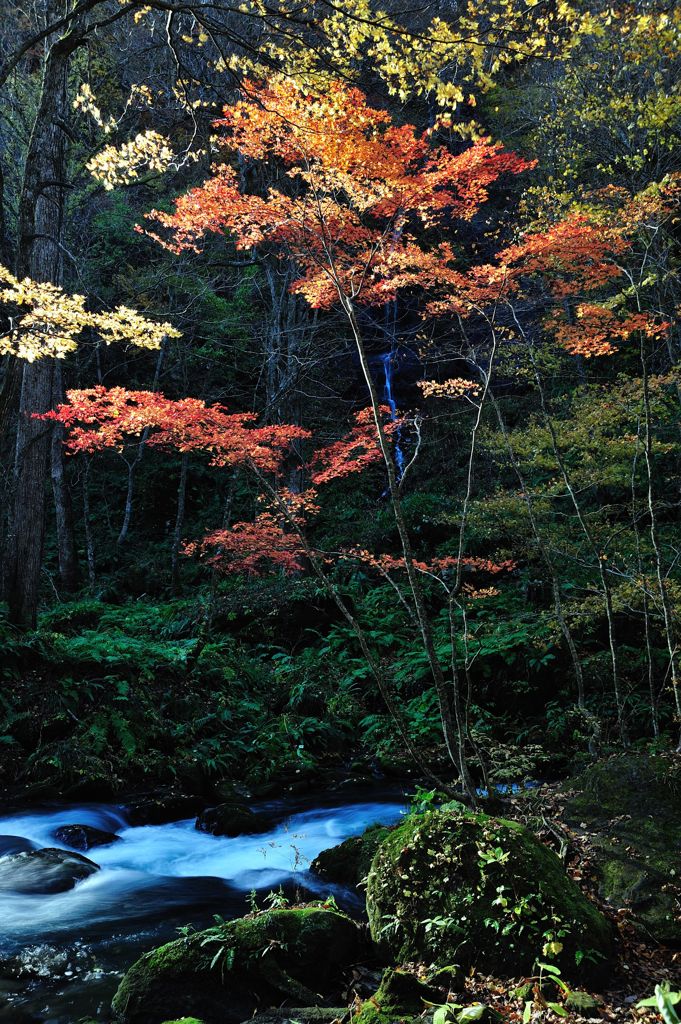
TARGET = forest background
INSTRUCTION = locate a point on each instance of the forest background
(446, 531)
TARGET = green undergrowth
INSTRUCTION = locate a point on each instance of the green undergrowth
(261, 681)
(102, 694)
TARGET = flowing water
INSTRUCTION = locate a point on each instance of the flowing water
(69, 950)
(387, 361)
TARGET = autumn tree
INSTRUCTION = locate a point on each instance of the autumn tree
(351, 213)
(201, 45)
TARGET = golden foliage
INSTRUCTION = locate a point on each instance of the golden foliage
(44, 320)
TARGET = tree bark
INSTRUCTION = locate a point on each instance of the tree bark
(69, 572)
(39, 257)
(179, 520)
(452, 722)
(87, 525)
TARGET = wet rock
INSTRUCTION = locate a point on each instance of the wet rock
(630, 805)
(48, 963)
(15, 844)
(224, 974)
(450, 886)
(43, 871)
(349, 862)
(232, 819)
(84, 837)
(161, 806)
(12, 1014)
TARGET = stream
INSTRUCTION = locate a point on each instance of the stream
(69, 950)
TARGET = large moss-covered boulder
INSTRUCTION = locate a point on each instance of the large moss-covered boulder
(184, 1020)
(223, 974)
(349, 862)
(630, 805)
(454, 887)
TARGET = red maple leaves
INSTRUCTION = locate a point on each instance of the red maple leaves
(353, 205)
(355, 452)
(99, 418)
(353, 202)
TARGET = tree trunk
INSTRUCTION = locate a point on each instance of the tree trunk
(69, 572)
(590, 718)
(89, 538)
(179, 520)
(598, 555)
(39, 257)
(452, 722)
(25, 546)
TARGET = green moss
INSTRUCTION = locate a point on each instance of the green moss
(224, 973)
(631, 806)
(400, 998)
(184, 1020)
(349, 862)
(583, 1003)
(454, 887)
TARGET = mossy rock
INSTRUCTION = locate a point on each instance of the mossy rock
(184, 1020)
(454, 887)
(400, 997)
(583, 1002)
(301, 1015)
(225, 973)
(630, 804)
(349, 863)
(450, 978)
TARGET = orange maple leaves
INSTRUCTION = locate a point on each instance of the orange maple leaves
(98, 418)
(355, 452)
(251, 548)
(351, 202)
(594, 329)
(353, 199)
(386, 564)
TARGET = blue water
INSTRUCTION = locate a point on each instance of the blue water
(75, 945)
(387, 361)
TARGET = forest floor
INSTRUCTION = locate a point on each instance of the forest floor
(640, 962)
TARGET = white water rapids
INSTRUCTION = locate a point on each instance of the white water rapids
(156, 878)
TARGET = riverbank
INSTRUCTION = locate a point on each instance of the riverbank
(63, 954)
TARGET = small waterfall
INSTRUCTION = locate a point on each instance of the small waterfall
(387, 361)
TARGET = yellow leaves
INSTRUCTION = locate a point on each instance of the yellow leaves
(444, 61)
(126, 325)
(455, 387)
(448, 94)
(85, 101)
(54, 320)
(148, 151)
